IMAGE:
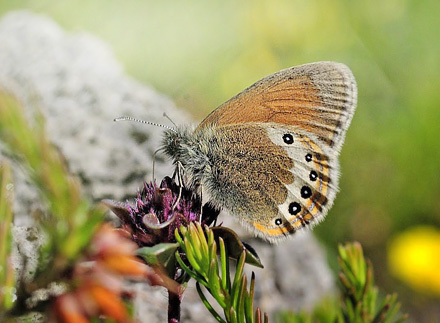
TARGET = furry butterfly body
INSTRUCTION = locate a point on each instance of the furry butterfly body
(270, 154)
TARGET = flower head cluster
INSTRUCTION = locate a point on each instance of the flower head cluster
(158, 211)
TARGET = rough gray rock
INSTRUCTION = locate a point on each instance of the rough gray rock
(80, 87)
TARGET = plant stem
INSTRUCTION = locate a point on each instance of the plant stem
(174, 301)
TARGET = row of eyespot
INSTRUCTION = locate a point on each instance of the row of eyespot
(306, 192)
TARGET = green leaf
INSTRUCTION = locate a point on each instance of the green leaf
(208, 305)
(192, 259)
(249, 300)
(67, 222)
(190, 272)
(238, 277)
(359, 295)
(195, 246)
(241, 300)
(162, 254)
(224, 263)
(7, 277)
(233, 297)
(214, 284)
(235, 246)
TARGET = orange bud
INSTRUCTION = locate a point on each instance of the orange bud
(109, 303)
(68, 310)
(108, 241)
(126, 265)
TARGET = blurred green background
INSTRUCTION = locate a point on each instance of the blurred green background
(201, 53)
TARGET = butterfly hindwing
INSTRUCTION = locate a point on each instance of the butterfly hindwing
(274, 178)
(312, 191)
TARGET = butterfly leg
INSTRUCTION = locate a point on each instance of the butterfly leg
(178, 178)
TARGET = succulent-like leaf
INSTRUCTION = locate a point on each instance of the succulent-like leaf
(208, 305)
(162, 255)
(235, 246)
(232, 296)
(359, 301)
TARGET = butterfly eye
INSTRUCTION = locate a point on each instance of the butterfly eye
(278, 221)
(308, 157)
(294, 208)
(313, 176)
(306, 192)
(288, 138)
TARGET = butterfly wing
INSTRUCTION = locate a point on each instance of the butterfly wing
(313, 188)
(279, 172)
(275, 179)
(319, 98)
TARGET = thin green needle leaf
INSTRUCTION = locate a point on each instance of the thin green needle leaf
(178, 237)
(210, 235)
(191, 258)
(237, 280)
(224, 263)
(201, 237)
(191, 273)
(7, 273)
(241, 300)
(249, 300)
(193, 244)
(214, 284)
(208, 305)
(232, 316)
(213, 251)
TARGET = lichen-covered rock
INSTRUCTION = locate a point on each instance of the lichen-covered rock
(79, 86)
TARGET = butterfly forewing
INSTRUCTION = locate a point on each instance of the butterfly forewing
(319, 98)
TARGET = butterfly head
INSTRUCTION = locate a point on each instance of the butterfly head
(190, 149)
(174, 142)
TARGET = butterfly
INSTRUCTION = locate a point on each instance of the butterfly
(269, 155)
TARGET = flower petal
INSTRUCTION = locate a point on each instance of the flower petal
(126, 265)
(69, 310)
(109, 303)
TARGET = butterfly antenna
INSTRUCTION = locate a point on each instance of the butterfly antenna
(166, 116)
(144, 122)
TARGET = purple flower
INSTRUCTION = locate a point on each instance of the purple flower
(159, 210)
